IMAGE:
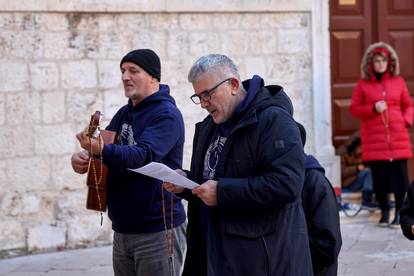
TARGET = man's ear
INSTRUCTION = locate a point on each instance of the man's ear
(154, 80)
(235, 85)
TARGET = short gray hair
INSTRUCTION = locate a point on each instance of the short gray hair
(215, 63)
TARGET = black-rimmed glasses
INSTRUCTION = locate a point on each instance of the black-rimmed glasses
(206, 95)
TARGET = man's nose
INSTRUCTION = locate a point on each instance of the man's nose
(125, 76)
(204, 103)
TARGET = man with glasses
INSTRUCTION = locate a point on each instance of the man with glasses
(246, 216)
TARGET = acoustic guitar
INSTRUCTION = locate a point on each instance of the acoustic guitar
(96, 180)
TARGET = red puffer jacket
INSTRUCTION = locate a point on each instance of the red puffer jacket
(384, 136)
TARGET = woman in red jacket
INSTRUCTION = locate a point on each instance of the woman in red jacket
(382, 102)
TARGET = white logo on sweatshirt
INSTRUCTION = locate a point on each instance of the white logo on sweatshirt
(127, 135)
(212, 157)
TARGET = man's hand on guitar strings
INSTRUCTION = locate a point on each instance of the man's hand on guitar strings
(80, 161)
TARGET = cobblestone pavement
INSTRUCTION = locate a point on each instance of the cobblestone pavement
(367, 250)
(372, 250)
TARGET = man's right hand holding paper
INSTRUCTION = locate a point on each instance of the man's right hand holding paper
(174, 188)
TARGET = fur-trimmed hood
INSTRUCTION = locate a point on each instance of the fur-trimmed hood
(366, 63)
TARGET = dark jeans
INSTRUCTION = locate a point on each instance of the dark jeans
(363, 183)
(145, 254)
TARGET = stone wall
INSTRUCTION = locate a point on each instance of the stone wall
(57, 68)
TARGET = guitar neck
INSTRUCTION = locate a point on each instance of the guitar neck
(94, 124)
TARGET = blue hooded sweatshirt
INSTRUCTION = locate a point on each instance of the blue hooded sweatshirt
(153, 130)
(313, 164)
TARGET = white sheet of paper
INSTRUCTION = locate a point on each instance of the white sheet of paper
(164, 173)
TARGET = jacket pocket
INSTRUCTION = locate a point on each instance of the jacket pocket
(252, 227)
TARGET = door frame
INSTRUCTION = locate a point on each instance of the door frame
(321, 96)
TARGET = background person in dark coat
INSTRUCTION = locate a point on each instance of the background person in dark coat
(246, 218)
(407, 214)
(322, 218)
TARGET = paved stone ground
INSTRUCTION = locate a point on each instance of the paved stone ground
(367, 250)
(371, 250)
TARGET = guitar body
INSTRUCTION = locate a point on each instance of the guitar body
(96, 198)
(96, 180)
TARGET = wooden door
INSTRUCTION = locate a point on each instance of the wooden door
(354, 25)
(397, 28)
(350, 34)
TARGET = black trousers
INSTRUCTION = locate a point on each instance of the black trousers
(384, 203)
(389, 177)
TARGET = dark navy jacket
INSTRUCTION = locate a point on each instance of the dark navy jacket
(151, 131)
(407, 213)
(322, 218)
(258, 226)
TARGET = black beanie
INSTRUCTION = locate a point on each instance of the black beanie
(146, 59)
